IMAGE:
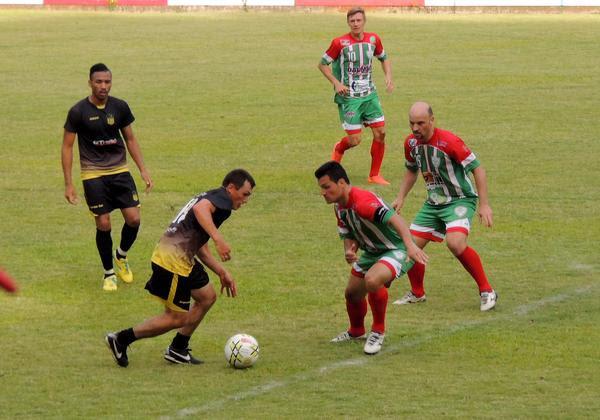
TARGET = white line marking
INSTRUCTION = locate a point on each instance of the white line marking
(359, 361)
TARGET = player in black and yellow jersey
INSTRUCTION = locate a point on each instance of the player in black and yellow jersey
(178, 275)
(98, 121)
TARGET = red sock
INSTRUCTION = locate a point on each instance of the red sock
(378, 301)
(342, 145)
(416, 276)
(377, 152)
(356, 314)
(472, 263)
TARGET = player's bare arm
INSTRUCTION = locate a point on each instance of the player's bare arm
(136, 154)
(408, 181)
(387, 71)
(227, 281)
(485, 210)
(350, 250)
(340, 88)
(67, 166)
(203, 211)
(414, 252)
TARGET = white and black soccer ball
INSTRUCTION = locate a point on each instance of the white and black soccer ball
(241, 351)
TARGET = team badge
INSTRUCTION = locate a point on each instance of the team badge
(349, 114)
(412, 142)
(110, 119)
(345, 42)
(460, 211)
(372, 39)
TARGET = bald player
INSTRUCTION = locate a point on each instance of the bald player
(446, 164)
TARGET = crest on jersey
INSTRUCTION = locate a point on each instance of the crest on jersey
(372, 39)
(110, 119)
(460, 211)
(412, 142)
(345, 42)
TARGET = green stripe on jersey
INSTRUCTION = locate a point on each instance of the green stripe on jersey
(371, 236)
(445, 179)
(354, 68)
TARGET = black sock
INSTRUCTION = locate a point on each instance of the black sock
(128, 235)
(180, 341)
(104, 245)
(126, 337)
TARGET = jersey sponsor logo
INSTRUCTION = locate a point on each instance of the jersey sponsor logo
(104, 142)
(364, 69)
(94, 118)
(460, 211)
(110, 119)
(436, 161)
(96, 206)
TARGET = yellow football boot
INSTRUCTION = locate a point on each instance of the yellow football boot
(122, 269)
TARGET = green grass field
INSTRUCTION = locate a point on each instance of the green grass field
(216, 90)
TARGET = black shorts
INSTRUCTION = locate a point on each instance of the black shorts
(109, 192)
(175, 290)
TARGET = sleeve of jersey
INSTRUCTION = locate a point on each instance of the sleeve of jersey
(128, 117)
(374, 210)
(379, 51)
(343, 230)
(72, 122)
(461, 153)
(409, 161)
(331, 54)
(220, 199)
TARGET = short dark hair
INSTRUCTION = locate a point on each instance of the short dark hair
(334, 170)
(238, 177)
(354, 11)
(98, 67)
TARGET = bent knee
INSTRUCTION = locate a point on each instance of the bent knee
(178, 319)
(457, 248)
(134, 222)
(372, 284)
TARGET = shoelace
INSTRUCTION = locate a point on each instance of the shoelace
(373, 338)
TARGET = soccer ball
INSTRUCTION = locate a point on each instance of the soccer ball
(241, 351)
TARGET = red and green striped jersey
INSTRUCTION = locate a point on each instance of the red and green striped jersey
(353, 62)
(445, 162)
(365, 219)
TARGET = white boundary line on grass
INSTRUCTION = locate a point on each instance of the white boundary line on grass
(359, 361)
